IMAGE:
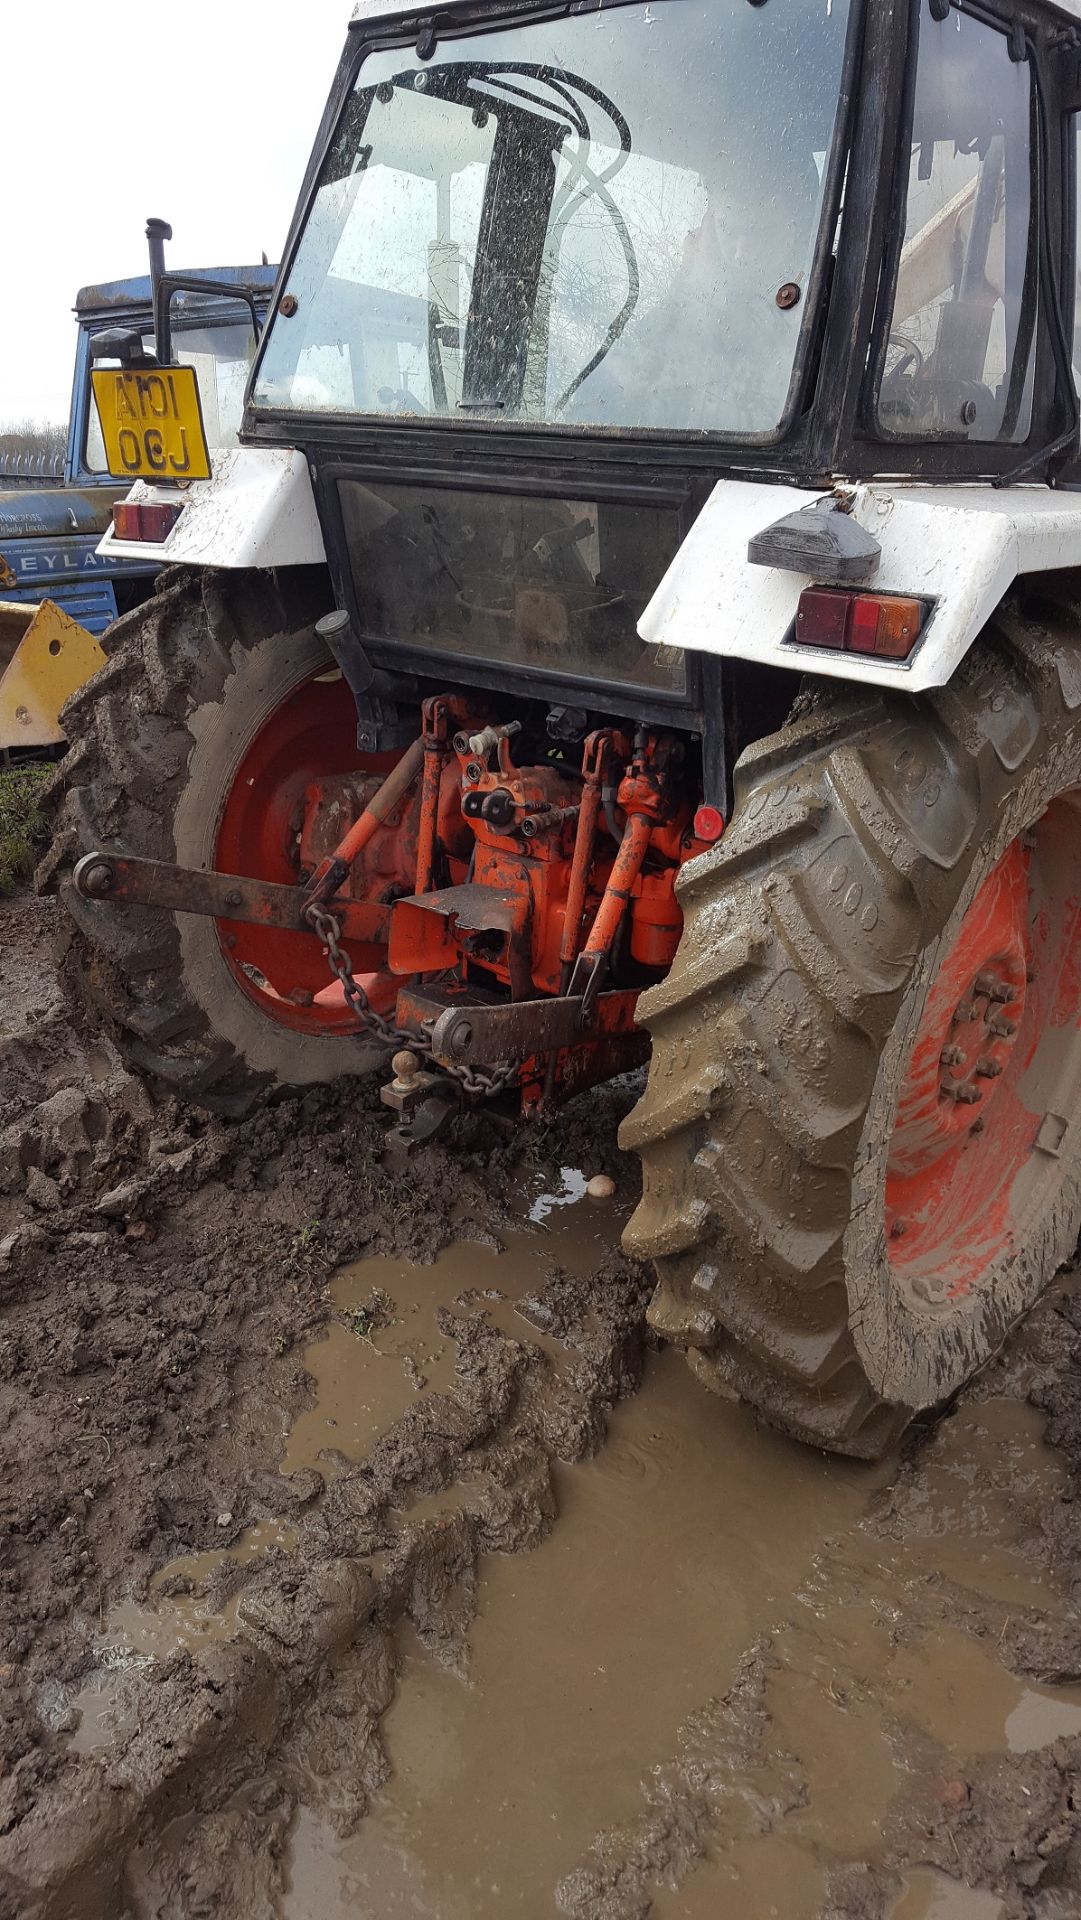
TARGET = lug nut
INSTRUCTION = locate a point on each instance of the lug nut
(1005, 1029)
(993, 988)
(952, 1057)
(988, 1069)
(966, 1010)
(965, 1095)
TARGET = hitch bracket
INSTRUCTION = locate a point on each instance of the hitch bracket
(122, 880)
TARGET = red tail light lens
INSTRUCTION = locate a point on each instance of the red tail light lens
(708, 824)
(884, 625)
(144, 519)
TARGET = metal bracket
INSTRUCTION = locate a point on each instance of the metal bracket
(426, 1120)
(222, 896)
(380, 727)
(472, 1032)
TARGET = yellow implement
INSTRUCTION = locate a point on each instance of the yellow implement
(44, 657)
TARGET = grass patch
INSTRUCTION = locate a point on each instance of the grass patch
(23, 825)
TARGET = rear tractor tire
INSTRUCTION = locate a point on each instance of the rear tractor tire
(861, 1133)
(216, 704)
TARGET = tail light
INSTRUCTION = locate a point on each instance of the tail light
(708, 824)
(144, 519)
(885, 625)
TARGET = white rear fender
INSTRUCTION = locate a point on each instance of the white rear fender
(257, 510)
(957, 548)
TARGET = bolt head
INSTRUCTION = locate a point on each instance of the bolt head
(461, 1037)
(98, 879)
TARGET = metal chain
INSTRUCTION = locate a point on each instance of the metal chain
(479, 1082)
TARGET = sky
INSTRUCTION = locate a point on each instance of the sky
(203, 114)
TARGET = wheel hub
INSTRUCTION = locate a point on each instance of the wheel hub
(964, 1130)
(969, 1028)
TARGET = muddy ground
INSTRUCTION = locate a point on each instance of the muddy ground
(361, 1556)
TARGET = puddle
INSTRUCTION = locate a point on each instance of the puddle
(677, 1546)
(753, 1881)
(929, 1896)
(572, 1189)
(956, 1524)
(1041, 1716)
(612, 1711)
(693, 1533)
(382, 1349)
(136, 1633)
(365, 1379)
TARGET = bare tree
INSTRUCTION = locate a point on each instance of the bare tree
(32, 448)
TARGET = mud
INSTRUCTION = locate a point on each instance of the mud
(363, 1556)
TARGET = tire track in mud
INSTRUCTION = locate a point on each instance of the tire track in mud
(196, 1726)
(170, 1325)
(157, 1274)
(911, 1723)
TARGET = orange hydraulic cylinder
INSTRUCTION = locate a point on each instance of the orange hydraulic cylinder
(382, 804)
(434, 755)
(581, 863)
(625, 870)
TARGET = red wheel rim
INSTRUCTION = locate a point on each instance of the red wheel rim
(972, 1147)
(309, 738)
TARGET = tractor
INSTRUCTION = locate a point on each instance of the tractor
(50, 533)
(642, 618)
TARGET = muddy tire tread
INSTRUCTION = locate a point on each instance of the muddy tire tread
(116, 789)
(748, 1150)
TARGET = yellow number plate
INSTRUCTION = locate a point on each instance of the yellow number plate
(152, 423)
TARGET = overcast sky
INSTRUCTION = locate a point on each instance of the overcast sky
(202, 113)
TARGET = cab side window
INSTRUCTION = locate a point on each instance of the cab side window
(958, 356)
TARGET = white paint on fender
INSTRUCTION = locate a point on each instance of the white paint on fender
(257, 510)
(959, 547)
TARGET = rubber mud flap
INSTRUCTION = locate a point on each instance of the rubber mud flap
(867, 840)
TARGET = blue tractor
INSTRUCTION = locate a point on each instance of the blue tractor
(49, 534)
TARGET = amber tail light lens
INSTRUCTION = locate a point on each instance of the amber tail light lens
(885, 625)
(144, 519)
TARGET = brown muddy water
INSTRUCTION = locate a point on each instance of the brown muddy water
(704, 1690)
